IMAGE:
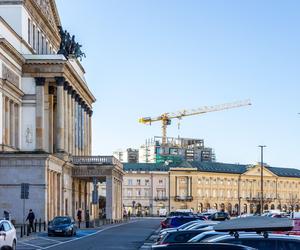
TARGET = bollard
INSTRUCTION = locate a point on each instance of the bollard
(24, 229)
(28, 230)
(40, 225)
(44, 225)
(21, 231)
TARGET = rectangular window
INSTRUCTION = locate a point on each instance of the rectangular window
(66, 207)
(33, 36)
(147, 182)
(42, 43)
(29, 31)
(38, 41)
(138, 182)
(46, 52)
(129, 182)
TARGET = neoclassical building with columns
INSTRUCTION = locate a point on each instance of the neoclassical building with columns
(46, 120)
(202, 186)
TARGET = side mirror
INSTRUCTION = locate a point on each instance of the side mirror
(2, 233)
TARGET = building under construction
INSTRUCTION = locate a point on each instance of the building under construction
(175, 150)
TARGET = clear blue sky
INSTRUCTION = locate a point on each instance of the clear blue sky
(146, 57)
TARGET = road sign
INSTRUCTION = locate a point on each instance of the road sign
(24, 191)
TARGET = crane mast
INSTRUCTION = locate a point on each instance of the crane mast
(166, 118)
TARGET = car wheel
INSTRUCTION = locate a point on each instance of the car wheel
(14, 245)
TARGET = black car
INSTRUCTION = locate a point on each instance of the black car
(203, 246)
(220, 216)
(62, 225)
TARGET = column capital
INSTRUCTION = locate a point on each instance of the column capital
(80, 101)
(66, 85)
(90, 113)
(77, 98)
(73, 94)
(40, 81)
(70, 90)
(60, 81)
(83, 104)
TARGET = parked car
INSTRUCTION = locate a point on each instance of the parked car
(176, 221)
(62, 225)
(202, 246)
(220, 216)
(272, 242)
(205, 235)
(8, 237)
(182, 236)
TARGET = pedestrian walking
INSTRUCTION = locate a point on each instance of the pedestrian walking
(30, 218)
(79, 217)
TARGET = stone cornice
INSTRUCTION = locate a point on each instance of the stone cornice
(11, 89)
(59, 68)
(7, 47)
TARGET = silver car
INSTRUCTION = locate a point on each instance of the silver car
(8, 236)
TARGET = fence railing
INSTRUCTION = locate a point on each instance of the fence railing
(98, 160)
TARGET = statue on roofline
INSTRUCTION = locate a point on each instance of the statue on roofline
(68, 45)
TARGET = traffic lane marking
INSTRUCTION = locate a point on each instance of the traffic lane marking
(85, 236)
(42, 240)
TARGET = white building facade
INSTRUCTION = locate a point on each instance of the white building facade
(45, 116)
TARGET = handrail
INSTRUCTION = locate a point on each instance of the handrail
(96, 160)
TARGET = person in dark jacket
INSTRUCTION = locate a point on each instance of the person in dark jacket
(30, 218)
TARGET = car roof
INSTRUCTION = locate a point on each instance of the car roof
(205, 246)
(212, 233)
(255, 224)
(218, 238)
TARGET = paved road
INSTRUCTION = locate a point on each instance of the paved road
(127, 236)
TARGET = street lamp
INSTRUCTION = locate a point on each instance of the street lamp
(261, 178)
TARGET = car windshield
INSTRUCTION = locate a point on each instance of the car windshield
(61, 221)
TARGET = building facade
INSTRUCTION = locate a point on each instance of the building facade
(129, 155)
(210, 185)
(45, 117)
(175, 150)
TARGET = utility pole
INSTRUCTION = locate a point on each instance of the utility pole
(261, 178)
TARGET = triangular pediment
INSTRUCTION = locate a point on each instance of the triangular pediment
(255, 171)
(49, 10)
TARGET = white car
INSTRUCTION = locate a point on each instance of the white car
(8, 236)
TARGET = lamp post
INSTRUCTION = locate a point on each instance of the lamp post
(262, 178)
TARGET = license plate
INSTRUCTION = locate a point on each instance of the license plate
(58, 231)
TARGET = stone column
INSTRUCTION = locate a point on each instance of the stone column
(110, 206)
(3, 119)
(60, 114)
(39, 118)
(85, 131)
(70, 123)
(66, 120)
(76, 125)
(51, 119)
(90, 132)
(7, 122)
(73, 121)
(80, 126)
(17, 126)
(12, 124)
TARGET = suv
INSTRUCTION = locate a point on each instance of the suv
(272, 242)
(8, 237)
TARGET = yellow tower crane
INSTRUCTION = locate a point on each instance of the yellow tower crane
(166, 118)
